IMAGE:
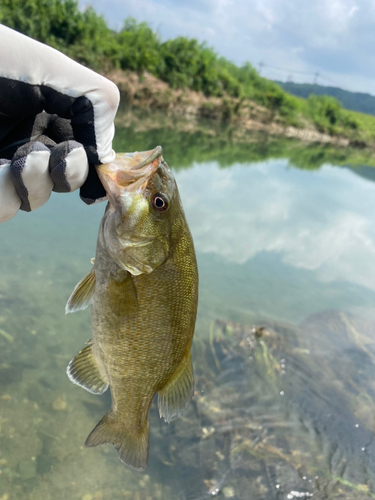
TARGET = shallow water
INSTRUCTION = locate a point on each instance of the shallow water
(284, 415)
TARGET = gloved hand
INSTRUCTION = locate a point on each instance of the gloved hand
(56, 123)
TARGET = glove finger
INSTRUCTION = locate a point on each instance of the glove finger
(10, 202)
(68, 166)
(30, 175)
(92, 190)
(60, 129)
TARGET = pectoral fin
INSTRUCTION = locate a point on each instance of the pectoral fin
(121, 289)
(84, 371)
(82, 294)
(175, 396)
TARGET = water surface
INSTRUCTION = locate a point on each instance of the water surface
(287, 412)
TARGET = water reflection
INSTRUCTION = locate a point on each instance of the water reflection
(283, 410)
(321, 222)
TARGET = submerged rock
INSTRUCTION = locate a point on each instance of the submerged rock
(27, 469)
(60, 403)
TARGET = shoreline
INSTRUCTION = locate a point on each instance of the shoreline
(149, 93)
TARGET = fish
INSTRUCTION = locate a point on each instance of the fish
(143, 292)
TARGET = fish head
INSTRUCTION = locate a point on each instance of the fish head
(143, 203)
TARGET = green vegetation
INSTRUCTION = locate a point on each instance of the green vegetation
(355, 101)
(328, 115)
(182, 63)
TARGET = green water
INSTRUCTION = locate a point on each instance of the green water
(275, 245)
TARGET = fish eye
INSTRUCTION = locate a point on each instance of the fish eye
(159, 202)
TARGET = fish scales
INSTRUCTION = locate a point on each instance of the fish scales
(144, 293)
(138, 332)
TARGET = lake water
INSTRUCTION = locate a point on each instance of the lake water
(284, 352)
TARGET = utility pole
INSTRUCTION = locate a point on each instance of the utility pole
(316, 76)
(261, 64)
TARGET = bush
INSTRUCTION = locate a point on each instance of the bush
(139, 47)
(328, 115)
(187, 63)
(228, 80)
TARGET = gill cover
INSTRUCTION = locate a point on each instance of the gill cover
(134, 232)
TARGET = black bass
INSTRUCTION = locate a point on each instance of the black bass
(143, 291)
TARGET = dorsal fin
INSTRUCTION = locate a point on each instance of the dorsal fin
(82, 294)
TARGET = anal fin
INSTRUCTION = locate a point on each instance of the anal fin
(175, 396)
(84, 371)
(82, 294)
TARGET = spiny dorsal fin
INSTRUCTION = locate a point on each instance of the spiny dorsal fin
(82, 294)
(131, 445)
(84, 371)
(175, 396)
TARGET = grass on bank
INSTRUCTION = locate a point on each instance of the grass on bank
(181, 62)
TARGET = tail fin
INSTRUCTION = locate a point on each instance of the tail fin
(131, 446)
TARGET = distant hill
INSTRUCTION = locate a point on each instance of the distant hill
(356, 101)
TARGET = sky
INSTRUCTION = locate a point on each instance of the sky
(331, 42)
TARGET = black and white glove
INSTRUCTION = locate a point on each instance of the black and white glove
(56, 123)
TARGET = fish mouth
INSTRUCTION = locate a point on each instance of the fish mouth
(129, 171)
